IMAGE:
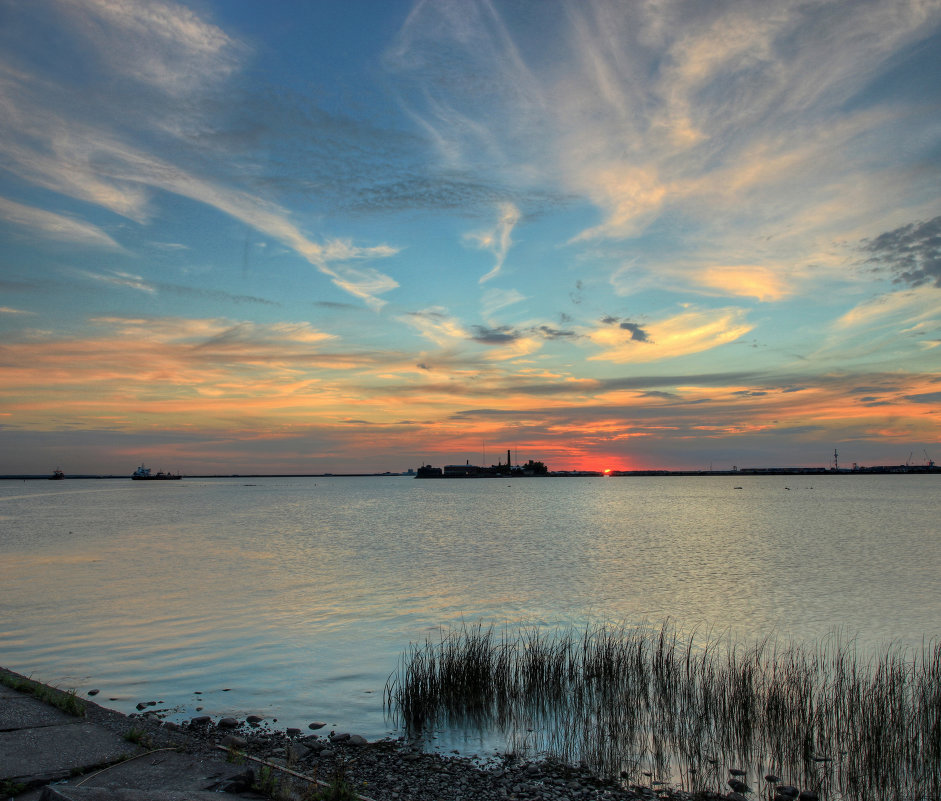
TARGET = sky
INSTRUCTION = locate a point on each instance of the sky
(364, 236)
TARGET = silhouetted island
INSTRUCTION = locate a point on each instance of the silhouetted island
(532, 468)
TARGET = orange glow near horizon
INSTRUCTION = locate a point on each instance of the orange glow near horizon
(363, 408)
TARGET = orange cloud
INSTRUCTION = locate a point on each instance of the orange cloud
(753, 281)
(689, 332)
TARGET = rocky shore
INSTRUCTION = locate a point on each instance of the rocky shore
(395, 770)
(55, 746)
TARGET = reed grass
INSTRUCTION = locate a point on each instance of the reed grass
(648, 704)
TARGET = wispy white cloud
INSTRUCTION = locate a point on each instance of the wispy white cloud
(106, 154)
(716, 117)
(891, 329)
(56, 226)
(120, 279)
(159, 43)
(497, 240)
(493, 300)
(891, 309)
(436, 324)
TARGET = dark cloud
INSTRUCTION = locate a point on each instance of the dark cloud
(500, 335)
(912, 252)
(636, 382)
(656, 393)
(576, 296)
(451, 191)
(555, 333)
(8, 285)
(213, 294)
(421, 366)
(794, 431)
(638, 334)
(346, 162)
(331, 304)
(750, 393)
(871, 390)
(925, 397)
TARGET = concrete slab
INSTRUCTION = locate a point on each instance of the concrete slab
(18, 711)
(165, 770)
(48, 753)
(57, 793)
(91, 759)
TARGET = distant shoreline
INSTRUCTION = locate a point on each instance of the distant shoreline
(744, 471)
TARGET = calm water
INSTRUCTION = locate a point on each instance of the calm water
(294, 598)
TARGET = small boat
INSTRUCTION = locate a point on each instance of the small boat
(57, 475)
(143, 474)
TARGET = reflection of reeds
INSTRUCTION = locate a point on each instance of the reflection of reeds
(642, 701)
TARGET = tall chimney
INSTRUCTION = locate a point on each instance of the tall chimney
(508, 462)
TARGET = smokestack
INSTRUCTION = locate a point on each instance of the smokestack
(508, 462)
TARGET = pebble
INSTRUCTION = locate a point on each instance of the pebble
(228, 723)
(316, 725)
(295, 752)
(93, 692)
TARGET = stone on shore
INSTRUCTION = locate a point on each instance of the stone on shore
(234, 741)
